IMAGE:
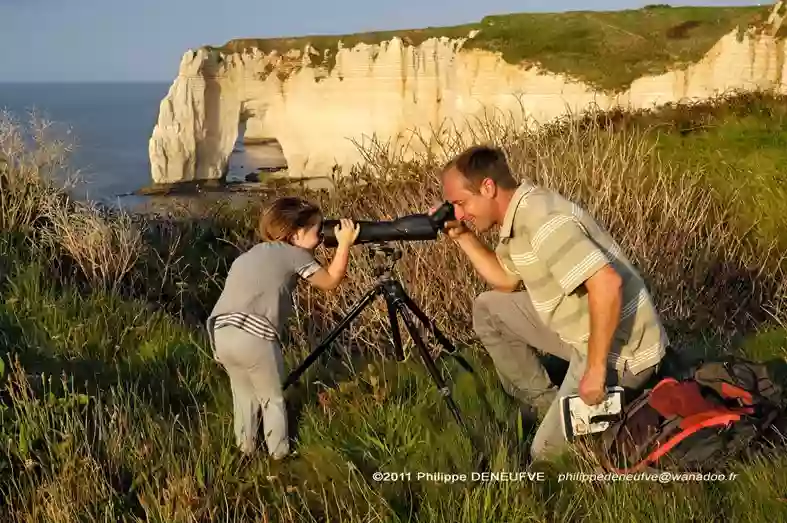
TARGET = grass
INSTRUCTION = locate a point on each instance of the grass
(112, 410)
(606, 49)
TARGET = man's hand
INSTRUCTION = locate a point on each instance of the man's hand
(592, 386)
(454, 228)
(484, 260)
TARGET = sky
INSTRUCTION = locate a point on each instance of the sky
(143, 40)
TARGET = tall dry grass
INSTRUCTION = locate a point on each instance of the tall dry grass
(30, 159)
(706, 274)
(105, 248)
(35, 179)
(708, 277)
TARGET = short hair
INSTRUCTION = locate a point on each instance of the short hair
(482, 161)
(282, 219)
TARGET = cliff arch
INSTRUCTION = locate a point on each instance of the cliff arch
(261, 152)
(318, 109)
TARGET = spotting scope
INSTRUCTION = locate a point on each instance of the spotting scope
(414, 227)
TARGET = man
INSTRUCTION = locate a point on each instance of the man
(582, 300)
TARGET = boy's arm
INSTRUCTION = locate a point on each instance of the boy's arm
(330, 278)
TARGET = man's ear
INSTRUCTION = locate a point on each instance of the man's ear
(488, 188)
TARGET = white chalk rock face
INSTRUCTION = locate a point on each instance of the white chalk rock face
(403, 97)
(197, 124)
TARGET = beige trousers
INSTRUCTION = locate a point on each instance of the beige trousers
(256, 369)
(513, 334)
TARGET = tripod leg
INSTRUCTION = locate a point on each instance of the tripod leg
(393, 320)
(423, 318)
(482, 460)
(442, 339)
(431, 367)
(323, 346)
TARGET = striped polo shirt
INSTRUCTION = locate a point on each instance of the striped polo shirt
(552, 245)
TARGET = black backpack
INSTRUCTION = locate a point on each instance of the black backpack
(725, 411)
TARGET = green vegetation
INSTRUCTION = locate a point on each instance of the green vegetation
(327, 45)
(742, 154)
(112, 410)
(607, 49)
(737, 148)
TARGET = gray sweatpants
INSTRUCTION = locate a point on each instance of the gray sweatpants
(256, 369)
(511, 331)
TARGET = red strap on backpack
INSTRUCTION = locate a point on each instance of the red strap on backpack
(731, 391)
(683, 401)
(673, 398)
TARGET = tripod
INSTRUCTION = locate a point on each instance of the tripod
(398, 302)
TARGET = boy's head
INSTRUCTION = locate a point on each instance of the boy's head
(293, 220)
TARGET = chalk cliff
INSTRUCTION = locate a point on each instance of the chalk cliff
(402, 95)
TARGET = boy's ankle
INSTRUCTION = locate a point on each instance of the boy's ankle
(281, 452)
(246, 450)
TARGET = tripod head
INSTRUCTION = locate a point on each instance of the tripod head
(384, 255)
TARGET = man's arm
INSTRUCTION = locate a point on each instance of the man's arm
(486, 263)
(605, 301)
(575, 260)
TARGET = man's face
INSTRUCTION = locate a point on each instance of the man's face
(478, 208)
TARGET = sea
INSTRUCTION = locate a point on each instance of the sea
(110, 124)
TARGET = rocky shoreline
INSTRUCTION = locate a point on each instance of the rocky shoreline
(192, 198)
(254, 183)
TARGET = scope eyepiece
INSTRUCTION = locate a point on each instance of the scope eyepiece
(443, 214)
(414, 227)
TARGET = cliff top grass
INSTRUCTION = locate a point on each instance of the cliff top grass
(607, 49)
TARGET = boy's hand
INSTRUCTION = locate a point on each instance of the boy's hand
(346, 233)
